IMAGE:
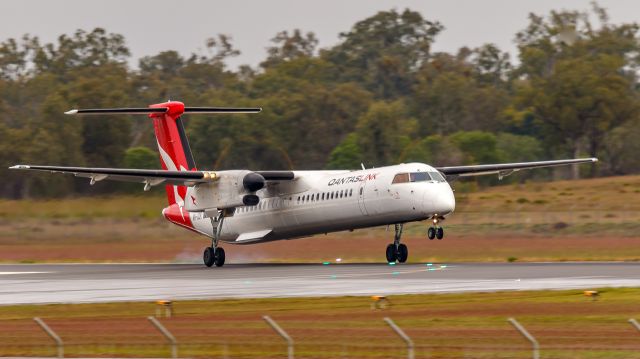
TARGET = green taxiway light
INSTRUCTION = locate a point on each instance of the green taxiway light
(429, 264)
(392, 263)
(326, 263)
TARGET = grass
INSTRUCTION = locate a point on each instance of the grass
(566, 323)
(608, 194)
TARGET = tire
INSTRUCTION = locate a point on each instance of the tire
(219, 257)
(391, 253)
(403, 253)
(208, 256)
(431, 233)
(440, 233)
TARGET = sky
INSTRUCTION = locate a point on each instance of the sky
(152, 26)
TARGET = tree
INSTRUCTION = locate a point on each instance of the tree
(288, 47)
(82, 49)
(141, 157)
(454, 94)
(581, 89)
(436, 150)
(168, 63)
(347, 155)
(477, 146)
(492, 66)
(383, 51)
(384, 131)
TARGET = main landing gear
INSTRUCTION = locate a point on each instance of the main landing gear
(214, 254)
(397, 251)
(435, 231)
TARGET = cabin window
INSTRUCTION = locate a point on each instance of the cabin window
(351, 192)
(361, 190)
(332, 195)
(436, 176)
(323, 196)
(401, 178)
(420, 177)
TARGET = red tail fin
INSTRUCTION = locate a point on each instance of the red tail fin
(173, 146)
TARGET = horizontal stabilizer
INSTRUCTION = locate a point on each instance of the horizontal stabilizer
(148, 110)
(126, 111)
(222, 110)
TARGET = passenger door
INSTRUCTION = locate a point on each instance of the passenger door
(361, 203)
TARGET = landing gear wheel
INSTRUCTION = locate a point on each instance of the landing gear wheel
(208, 256)
(219, 257)
(440, 233)
(391, 253)
(403, 253)
(431, 233)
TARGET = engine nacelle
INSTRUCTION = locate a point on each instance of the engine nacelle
(232, 189)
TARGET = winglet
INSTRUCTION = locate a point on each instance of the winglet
(593, 159)
(19, 167)
(71, 112)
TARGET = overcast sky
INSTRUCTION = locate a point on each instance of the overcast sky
(151, 26)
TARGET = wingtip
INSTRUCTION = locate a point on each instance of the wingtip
(19, 167)
(71, 112)
(594, 159)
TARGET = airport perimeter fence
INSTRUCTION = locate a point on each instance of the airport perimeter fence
(511, 341)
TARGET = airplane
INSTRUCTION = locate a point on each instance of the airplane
(246, 207)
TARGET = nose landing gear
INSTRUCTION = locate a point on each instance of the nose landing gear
(397, 251)
(435, 231)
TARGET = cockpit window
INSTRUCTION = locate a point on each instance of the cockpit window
(420, 177)
(401, 178)
(437, 177)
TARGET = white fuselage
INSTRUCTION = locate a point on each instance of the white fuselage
(318, 202)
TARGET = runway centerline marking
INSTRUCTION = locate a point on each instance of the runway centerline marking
(18, 273)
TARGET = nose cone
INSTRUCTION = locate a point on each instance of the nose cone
(439, 199)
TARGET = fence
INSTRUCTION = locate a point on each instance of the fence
(281, 344)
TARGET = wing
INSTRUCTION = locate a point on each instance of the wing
(148, 177)
(505, 169)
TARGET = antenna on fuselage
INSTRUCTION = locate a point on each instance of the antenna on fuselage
(362, 165)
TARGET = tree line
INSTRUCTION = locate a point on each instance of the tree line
(378, 97)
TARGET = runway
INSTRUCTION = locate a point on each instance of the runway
(82, 283)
